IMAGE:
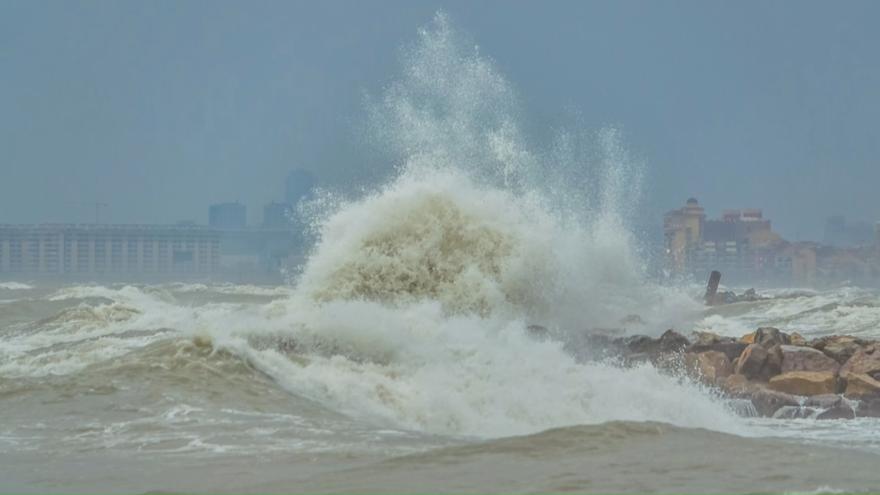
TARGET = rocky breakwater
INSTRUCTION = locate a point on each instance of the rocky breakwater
(773, 373)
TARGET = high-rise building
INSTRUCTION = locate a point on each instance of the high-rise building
(227, 216)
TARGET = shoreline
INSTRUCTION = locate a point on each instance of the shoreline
(772, 373)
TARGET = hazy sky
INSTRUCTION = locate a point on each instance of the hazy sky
(161, 108)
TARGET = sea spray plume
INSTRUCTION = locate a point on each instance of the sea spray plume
(473, 218)
(591, 180)
(451, 108)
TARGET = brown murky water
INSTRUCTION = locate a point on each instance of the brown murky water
(126, 389)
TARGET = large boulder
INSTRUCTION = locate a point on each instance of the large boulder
(707, 341)
(707, 338)
(868, 408)
(839, 347)
(767, 401)
(865, 360)
(829, 406)
(841, 411)
(824, 401)
(759, 363)
(539, 332)
(670, 342)
(769, 337)
(861, 386)
(805, 382)
(797, 358)
(709, 366)
(736, 385)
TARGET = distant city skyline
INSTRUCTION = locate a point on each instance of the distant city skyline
(160, 109)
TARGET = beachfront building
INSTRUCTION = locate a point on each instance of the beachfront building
(741, 244)
(93, 249)
(682, 229)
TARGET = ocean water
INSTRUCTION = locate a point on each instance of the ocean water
(399, 358)
(227, 388)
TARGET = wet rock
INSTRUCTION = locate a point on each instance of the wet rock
(767, 401)
(795, 358)
(730, 349)
(773, 366)
(769, 337)
(730, 297)
(671, 363)
(751, 361)
(805, 382)
(824, 401)
(831, 406)
(670, 341)
(736, 385)
(725, 297)
(636, 358)
(538, 332)
(866, 360)
(750, 296)
(759, 363)
(868, 408)
(630, 320)
(708, 338)
(795, 412)
(709, 366)
(638, 344)
(748, 338)
(861, 386)
(797, 339)
(743, 407)
(840, 411)
(707, 341)
(591, 346)
(839, 347)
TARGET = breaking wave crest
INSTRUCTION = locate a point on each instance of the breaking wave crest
(15, 286)
(476, 219)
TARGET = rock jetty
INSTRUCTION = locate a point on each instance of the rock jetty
(781, 374)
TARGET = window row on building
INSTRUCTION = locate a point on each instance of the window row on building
(96, 249)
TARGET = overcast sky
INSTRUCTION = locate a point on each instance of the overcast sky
(161, 108)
